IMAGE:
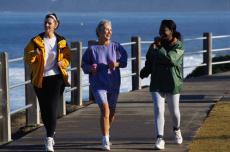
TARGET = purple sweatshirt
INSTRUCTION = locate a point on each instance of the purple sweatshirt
(102, 55)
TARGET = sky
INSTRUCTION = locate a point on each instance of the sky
(113, 5)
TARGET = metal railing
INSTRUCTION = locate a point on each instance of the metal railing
(32, 108)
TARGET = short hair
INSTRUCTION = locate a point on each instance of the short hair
(53, 16)
(100, 24)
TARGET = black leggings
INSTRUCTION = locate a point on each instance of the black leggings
(49, 96)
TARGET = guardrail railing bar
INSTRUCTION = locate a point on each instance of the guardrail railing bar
(70, 89)
(72, 69)
(73, 49)
(221, 49)
(15, 60)
(198, 38)
(189, 39)
(220, 36)
(86, 85)
(128, 43)
(128, 75)
(192, 66)
(20, 84)
(21, 109)
(131, 59)
(221, 62)
(195, 52)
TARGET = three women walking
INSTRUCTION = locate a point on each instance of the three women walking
(48, 56)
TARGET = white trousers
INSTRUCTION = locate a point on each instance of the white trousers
(159, 110)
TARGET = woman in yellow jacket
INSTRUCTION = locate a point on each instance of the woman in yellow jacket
(48, 57)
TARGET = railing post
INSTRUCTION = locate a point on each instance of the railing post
(136, 64)
(32, 113)
(76, 75)
(5, 121)
(91, 98)
(62, 107)
(207, 56)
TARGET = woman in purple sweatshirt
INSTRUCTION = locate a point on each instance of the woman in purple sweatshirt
(103, 62)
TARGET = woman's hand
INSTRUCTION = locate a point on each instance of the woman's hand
(61, 64)
(157, 42)
(113, 65)
(94, 69)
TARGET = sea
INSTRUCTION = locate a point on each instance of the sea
(16, 29)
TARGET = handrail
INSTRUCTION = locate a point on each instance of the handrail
(198, 38)
(131, 59)
(72, 69)
(85, 85)
(20, 109)
(70, 89)
(222, 49)
(20, 84)
(128, 75)
(189, 39)
(221, 62)
(128, 43)
(15, 60)
(192, 66)
(195, 52)
(220, 36)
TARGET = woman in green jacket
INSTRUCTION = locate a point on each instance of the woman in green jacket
(164, 62)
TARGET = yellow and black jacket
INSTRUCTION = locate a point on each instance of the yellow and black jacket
(36, 61)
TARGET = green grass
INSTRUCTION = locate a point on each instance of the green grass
(214, 135)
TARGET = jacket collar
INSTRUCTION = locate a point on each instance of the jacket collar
(38, 40)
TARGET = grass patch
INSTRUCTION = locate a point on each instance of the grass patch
(214, 135)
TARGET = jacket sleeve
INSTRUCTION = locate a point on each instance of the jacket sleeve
(123, 57)
(86, 62)
(171, 57)
(147, 69)
(66, 57)
(29, 53)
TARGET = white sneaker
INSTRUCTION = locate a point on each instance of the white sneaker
(49, 143)
(105, 144)
(160, 144)
(178, 136)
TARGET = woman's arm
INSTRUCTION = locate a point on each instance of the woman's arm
(31, 53)
(171, 57)
(147, 69)
(122, 61)
(65, 61)
(86, 62)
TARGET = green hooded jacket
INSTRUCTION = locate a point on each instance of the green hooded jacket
(165, 64)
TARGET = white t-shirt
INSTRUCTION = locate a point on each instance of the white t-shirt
(51, 67)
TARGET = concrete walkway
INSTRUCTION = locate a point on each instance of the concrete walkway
(133, 128)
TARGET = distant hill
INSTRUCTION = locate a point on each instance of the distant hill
(113, 5)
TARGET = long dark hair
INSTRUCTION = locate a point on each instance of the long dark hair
(172, 26)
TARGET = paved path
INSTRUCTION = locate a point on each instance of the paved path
(133, 128)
